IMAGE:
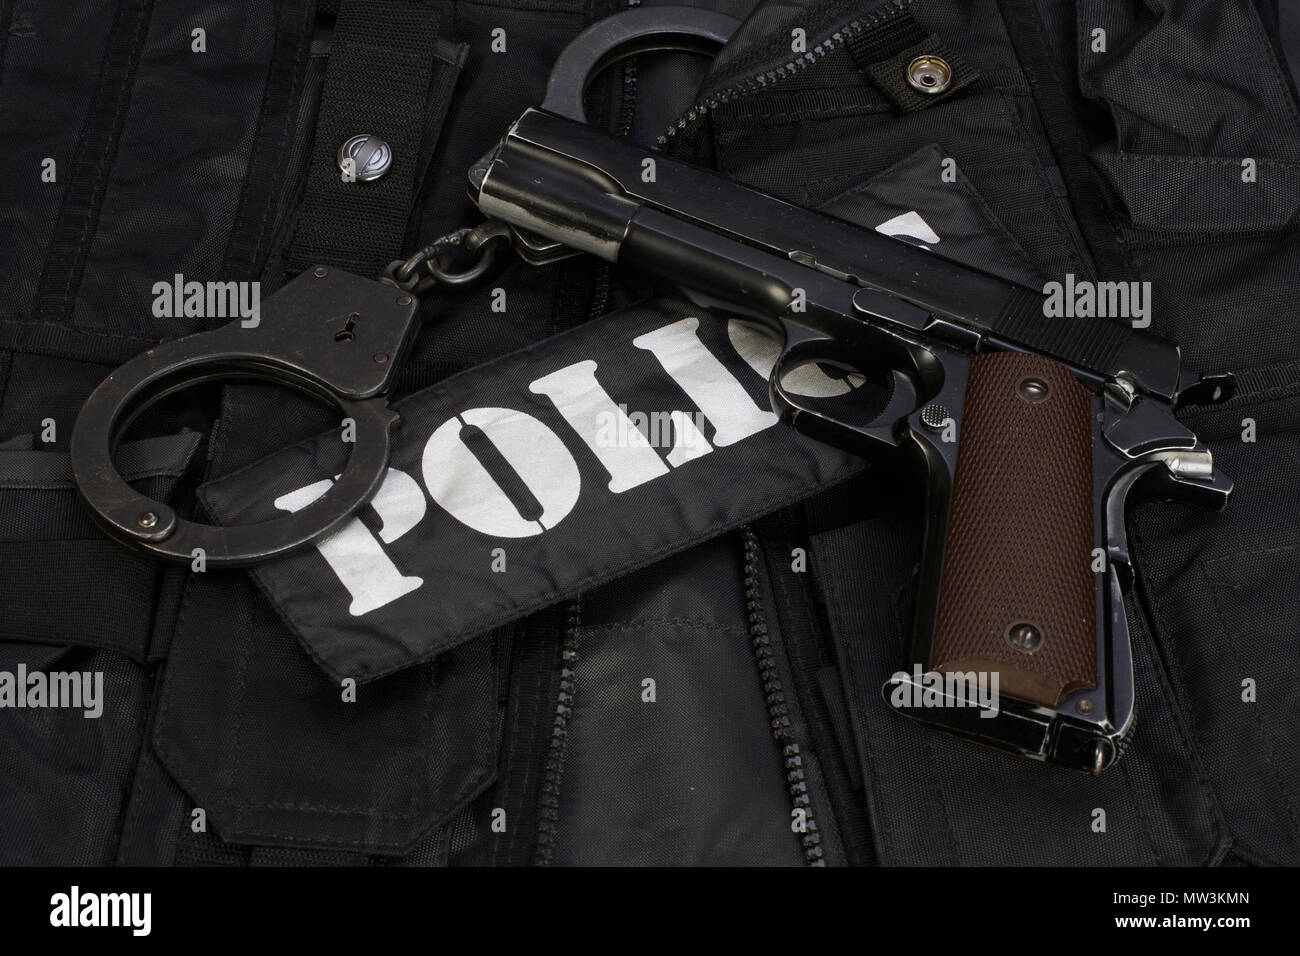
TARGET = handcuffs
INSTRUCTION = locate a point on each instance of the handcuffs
(345, 357)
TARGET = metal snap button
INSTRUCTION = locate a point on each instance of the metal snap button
(929, 74)
(370, 155)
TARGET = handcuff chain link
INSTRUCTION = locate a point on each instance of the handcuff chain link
(473, 249)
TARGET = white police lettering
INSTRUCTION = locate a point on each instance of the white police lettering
(352, 552)
(707, 382)
(585, 405)
(459, 481)
(689, 442)
(465, 489)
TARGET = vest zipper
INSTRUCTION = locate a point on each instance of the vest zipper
(761, 81)
(627, 107)
(548, 810)
(774, 694)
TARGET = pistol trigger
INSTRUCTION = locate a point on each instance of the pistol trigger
(902, 399)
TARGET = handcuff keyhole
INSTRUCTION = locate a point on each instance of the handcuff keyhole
(348, 333)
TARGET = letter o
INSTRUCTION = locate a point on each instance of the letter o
(459, 483)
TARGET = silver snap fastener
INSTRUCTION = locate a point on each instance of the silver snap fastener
(929, 74)
(370, 155)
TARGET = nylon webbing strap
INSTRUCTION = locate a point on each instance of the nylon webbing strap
(381, 65)
(886, 47)
(83, 197)
(58, 571)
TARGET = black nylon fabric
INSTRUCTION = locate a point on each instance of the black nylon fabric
(623, 732)
(135, 183)
(47, 532)
(1178, 185)
(972, 234)
(531, 743)
(381, 70)
(74, 603)
(65, 776)
(1217, 600)
(279, 755)
(886, 49)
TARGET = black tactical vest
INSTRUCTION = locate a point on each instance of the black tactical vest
(703, 689)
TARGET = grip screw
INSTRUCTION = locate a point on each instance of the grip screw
(1023, 636)
(1032, 389)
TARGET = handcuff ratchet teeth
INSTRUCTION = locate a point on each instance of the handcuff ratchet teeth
(345, 355)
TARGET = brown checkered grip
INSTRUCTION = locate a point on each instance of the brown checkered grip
(1017, 593)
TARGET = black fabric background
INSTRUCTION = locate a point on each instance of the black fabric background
(1092, 165)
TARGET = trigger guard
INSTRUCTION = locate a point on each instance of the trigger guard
(795, 411)
(141, 522)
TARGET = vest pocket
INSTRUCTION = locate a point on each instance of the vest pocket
(1202, 171)
(1189, 196)
(1220, 589)
(1198, 147)
(278, 754)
